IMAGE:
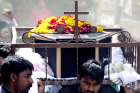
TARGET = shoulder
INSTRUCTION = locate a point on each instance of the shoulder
(69, 89)
(3, 89)
(107, 89)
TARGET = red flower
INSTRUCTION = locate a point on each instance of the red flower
(53, 21)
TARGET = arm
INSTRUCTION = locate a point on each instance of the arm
(128, 90)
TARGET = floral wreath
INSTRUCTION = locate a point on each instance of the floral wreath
(63, 25)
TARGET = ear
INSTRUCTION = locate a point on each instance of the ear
(13, 77)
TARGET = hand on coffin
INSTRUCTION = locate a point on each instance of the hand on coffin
(41, 86)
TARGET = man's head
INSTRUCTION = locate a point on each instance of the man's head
(8, 13)
(16, 73)
(91, 76)
(4, 52)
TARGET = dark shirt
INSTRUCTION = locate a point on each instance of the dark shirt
(4, 90)
(75, 89)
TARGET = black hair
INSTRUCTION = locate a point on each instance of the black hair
(137, 90)
(14, 64)
(93, 69)
(5, 50)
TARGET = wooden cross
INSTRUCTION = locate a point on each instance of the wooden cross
(76, 33)
(76, 30)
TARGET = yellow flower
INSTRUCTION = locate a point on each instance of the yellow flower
(49, 25)
(70, 22)
(29, 34)
(80, 23)
(100, 28)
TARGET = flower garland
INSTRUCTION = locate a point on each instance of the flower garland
(63, 25)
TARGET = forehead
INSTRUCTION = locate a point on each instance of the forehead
(26, 72)
(88, 79)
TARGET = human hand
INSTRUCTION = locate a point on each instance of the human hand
(41, 86)
(118, 81)
(128, 90)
